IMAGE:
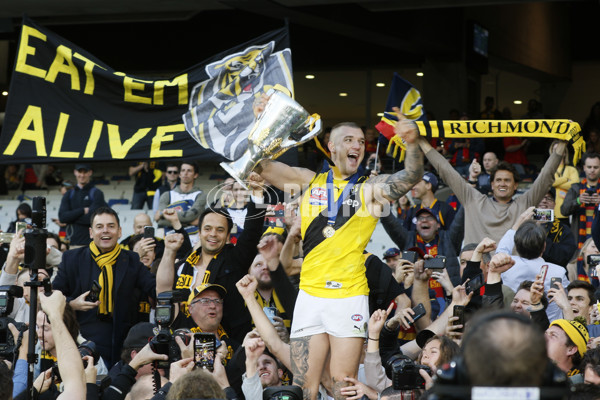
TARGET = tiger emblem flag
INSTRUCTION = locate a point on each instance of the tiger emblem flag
(408, 99)
(220, 115)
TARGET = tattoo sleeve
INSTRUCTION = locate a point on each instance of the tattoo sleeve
(397, 185)
(299, 359)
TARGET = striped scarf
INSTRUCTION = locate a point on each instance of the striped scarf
(186, 277)
(586, 215)
(273, 302)
(545, 128)
(105, 262)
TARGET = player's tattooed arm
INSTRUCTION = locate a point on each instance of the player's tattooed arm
(392, 187)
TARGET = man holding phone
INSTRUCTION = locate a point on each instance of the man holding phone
(205, 304)
(560, 242)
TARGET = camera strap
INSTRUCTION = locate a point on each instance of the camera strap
(17, 347)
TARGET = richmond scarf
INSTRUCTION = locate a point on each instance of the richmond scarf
(546, 128)
(105, 261)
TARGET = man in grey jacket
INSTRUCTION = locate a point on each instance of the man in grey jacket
(493, 216)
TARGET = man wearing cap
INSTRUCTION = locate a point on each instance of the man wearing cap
(428, 237)
(205, 304)
(78, 204)
(493, 216)
(138, 337)
(392, 257)
(424, 191)
(566, 343)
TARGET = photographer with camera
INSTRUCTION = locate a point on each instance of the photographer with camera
(11, 275)
(61, 338)
(382, 344)
(45, 369)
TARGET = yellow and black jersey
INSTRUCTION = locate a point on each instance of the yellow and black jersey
(334, 267)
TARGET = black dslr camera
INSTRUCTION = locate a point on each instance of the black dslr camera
(164, 342)
(7, 300)
(283, 393)
(404, 373)
(87, 348)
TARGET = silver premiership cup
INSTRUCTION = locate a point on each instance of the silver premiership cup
(282, 125)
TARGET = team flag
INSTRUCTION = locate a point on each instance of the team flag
(408, 99)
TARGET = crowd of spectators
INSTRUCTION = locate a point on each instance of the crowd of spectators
(506, 276)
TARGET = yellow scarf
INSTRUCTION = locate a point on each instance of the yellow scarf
(105, 261)
(545, 128)
(274, 300)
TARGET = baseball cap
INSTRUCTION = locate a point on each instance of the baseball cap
(205, 286)
(576, 331)
(431, 178)
(427, 210)
(391, 252)
(139, 335)
(87, 167)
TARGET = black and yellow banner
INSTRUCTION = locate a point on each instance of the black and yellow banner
(64, 104)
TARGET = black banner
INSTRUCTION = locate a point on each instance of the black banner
(64, 104)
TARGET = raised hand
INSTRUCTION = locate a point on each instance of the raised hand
(405, 128)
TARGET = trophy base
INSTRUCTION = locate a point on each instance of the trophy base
(234, 174)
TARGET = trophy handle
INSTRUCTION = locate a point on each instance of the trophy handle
(313, 125)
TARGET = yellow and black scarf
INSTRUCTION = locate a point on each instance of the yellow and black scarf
(184, 281)
(105, 262)
(545, 128)
(273, 302)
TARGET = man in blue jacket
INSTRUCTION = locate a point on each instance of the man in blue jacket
(78, 204)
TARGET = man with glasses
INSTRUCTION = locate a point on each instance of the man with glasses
(560, 242)
(171, 181)
(205, 304)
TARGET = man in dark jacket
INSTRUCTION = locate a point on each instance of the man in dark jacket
(78, 204)
(216, 261)
(107, 320)
(430, 238)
